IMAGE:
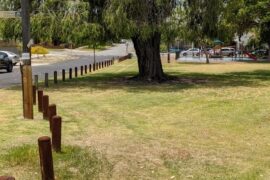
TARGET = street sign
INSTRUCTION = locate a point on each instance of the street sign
(25, 56)
(30, 43)
(9, 14)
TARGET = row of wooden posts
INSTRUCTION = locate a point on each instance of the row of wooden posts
(83, 70)
(49, 111)
(45, 143)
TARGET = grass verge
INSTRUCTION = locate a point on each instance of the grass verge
(213, 123)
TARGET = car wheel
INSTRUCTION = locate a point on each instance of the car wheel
(184, 54)
(10, 67)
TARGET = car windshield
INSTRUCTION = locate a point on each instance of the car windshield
(9, 53)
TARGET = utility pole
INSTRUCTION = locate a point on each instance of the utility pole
(26, 69)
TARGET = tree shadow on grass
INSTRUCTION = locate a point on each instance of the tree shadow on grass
(121, 81)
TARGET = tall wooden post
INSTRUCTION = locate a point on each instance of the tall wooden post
(26, 70)
(27, 88)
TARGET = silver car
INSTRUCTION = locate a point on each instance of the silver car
(227, 51)
(12, 56)
(191, 51)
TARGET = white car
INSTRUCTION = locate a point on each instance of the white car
(12, 56)
(227, 51)
(191, 51)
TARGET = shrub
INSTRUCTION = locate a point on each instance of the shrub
(39, 50)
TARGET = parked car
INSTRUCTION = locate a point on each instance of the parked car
(227, 51)
(175, 50)
(5, 62)
(260, 52)
(191, 51)
(12, 56)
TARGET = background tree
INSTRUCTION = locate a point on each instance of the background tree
(173, 28)
(238, 17)
(263, 13)
(203, 20)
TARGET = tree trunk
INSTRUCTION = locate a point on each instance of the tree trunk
(206, 56)
(148, 54)
(269, 51)
(269, 54)
(168, 55)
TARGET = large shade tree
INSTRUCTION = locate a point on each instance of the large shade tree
(141, 21)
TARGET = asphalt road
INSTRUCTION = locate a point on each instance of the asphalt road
(77, 58)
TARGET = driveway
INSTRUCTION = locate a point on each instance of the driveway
(76, 58)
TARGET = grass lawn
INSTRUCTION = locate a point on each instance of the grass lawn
(211, 124)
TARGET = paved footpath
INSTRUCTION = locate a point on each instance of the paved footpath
(77, 58)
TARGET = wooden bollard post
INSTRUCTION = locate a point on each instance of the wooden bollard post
(90, 68)
(34, 95)
(36, 81)
(102, 65)
(45, 106)
(56, 133)
(70, 73)
(81, 70)
(40, 100)
(51, 113)
(94, 67)
(46, 159)
(7, 178)
(63, 75)
(46, 80)
(76, 72)
(85, 69)
(99, 65)
(55, 77)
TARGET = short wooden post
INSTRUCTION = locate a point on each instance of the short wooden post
(6, 178)
(56, 133)
(51, 113)
(81, 70)
(70, 73)
(46, 159)
(102, 65)
(99, 65)
(76, 72)
(85, 69)
(36, 81)
(90, 68)
(34, 95)
(63, 75)
(55, 77)
(40, 100)
(46, 80)
(45, 105)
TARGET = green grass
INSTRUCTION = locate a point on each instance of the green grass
(212, 123)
